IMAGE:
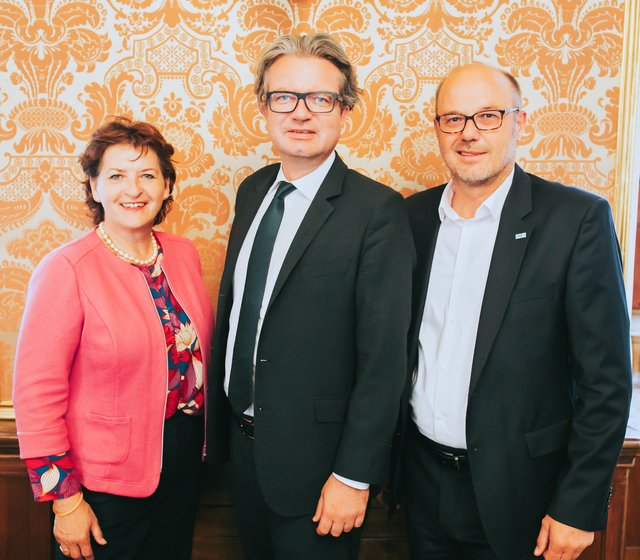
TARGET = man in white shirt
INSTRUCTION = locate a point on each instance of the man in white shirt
(519, 357)
(309, 356)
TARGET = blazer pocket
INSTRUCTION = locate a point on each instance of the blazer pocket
(526, 294)
(331, 409)
(309, 270)
(105, 439)
(548, 439)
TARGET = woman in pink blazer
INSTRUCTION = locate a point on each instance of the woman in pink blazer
(110, 368)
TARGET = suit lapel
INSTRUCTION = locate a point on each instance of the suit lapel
(425, 224)
(425, 233)
(315, 217)
(508, 253)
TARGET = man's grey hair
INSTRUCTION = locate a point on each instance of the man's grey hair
(517, 91)
(320, 45)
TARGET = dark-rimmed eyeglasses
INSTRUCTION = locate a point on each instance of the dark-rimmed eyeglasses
(315, 101)
(484, 120)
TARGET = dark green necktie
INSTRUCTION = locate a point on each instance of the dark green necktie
(240, 386)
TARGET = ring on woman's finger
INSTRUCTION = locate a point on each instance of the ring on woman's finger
(64, 549)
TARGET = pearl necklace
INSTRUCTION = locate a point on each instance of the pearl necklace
(126, 256)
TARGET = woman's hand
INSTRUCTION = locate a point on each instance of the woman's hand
(72, 530)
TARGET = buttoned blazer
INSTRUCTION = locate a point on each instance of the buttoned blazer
(550, 381)
(331, 357)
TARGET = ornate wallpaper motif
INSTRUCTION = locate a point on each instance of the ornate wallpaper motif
(186, 65)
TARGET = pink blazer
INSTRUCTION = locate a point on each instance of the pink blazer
(91, 363)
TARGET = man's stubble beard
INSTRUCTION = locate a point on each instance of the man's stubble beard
(483, 177)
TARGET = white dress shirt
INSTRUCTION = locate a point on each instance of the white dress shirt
(296, 206)
(449, 325)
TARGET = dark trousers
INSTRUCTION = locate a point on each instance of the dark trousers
(159, 527)
(264, 534)
(442, 513)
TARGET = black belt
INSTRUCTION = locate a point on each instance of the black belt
(450, 457)
(246, 425)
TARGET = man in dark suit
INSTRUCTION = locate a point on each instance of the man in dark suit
(313, 315)
(519, 347)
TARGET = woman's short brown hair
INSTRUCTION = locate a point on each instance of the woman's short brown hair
(139, 134)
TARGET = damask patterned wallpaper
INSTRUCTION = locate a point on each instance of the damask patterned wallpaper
(186, 65)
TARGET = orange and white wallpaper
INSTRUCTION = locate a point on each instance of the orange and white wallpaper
(186, 65)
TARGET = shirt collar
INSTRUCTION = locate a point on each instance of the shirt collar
(310, 183)
(491, 207)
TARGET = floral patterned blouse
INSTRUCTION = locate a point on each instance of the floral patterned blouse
(52, 477)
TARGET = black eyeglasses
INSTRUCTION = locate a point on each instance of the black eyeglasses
(484, 120)
(315, 101)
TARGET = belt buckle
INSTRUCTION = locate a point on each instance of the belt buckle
(246, 426)
(453, 460)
